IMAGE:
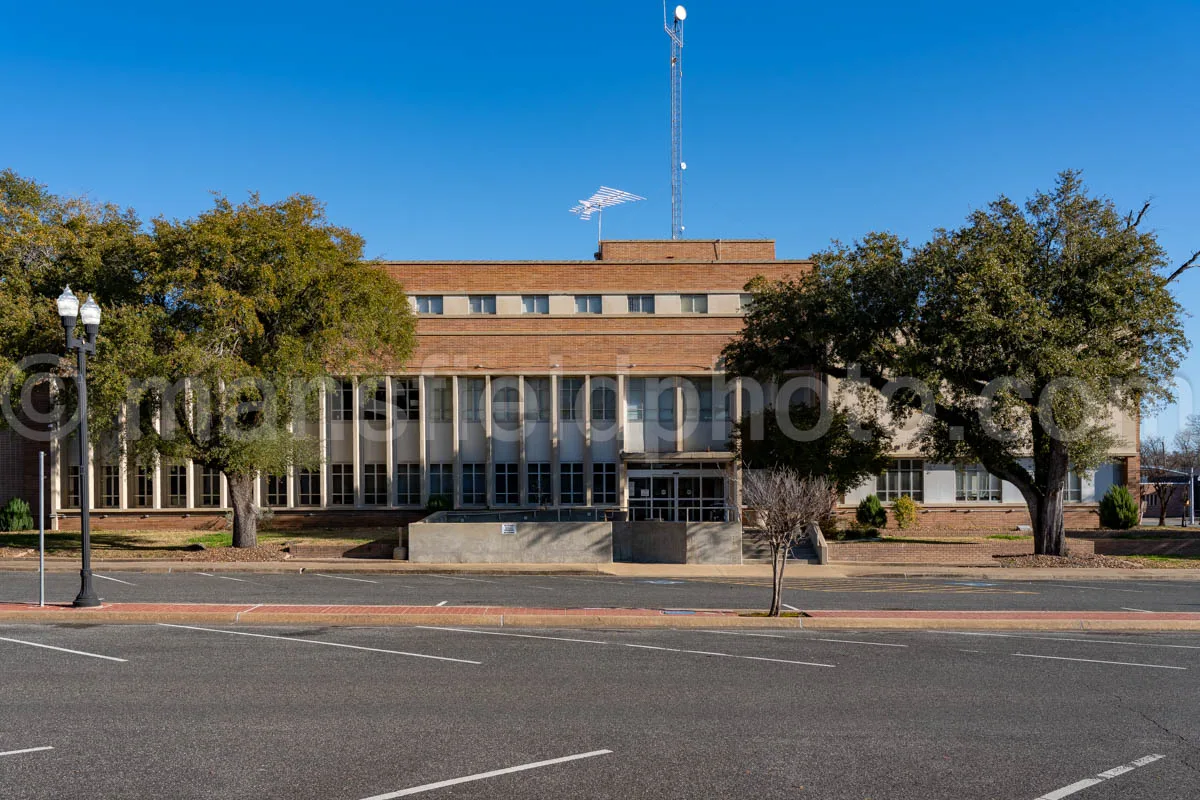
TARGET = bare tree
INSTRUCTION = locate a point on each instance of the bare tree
(783, 504)
(1161, 468)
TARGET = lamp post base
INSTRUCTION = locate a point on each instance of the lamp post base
(87, 597)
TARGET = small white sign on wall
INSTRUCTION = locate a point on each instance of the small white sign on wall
(508, 528)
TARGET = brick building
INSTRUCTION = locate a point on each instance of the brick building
(545, 384)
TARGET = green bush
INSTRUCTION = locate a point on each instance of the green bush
(905, 511)
(16, 516)
(438, 502)
(1118, 509)
(871, 513)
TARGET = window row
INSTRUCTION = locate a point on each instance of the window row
(972, 483)
(583, 303)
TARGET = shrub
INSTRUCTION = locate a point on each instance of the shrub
(1118, 509)
(16, 516)
(438, 502)
(905, 511)
(828, 526)
(871, 513)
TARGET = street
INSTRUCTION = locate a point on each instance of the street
(159, 711)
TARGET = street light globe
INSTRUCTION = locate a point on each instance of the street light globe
(68, 304)
(90, 313)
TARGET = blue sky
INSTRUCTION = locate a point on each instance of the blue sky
(465, 130)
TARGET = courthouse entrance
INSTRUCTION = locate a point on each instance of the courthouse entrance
(677, 492)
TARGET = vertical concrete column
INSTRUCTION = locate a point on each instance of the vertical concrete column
(355, 441)
(159, 488)
(123, 457)
(190, 467)
(678, 384)
(224, 491)
(622, 412)
(423, 422)
(91, 457)
(323, 441)
(587, 439)
(555, 489)
(258, 492)
(56, 452)
(735, 492)
(293, 473)
(522, 483)
(389, 443)
(489, 456)
(456, 426)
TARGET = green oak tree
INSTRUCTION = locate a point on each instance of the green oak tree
(1011, 338)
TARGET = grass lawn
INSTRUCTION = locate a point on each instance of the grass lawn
(1166, 562)
(174, 543)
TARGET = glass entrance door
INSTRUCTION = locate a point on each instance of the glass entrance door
(679, 496)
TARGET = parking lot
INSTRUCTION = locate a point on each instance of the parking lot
(594, 591)
(155, 711)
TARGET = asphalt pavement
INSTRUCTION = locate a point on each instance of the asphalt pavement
(594, 591)
(158, 711)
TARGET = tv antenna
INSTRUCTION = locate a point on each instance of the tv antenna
(605, 197)
(674, 29)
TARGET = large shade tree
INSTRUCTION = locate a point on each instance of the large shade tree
(223, 324)
(1027, 326)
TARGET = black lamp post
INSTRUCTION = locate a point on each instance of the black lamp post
(71, 313)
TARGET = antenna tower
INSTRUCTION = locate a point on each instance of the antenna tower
(674, 30)
(604, 197)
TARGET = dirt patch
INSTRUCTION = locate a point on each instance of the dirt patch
(1077, 561)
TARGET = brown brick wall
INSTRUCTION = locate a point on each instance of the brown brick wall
(1000, 518)
(688, 250)
(145, 520)
(982, 553)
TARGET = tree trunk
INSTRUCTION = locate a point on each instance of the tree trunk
(1162, 509)
(245, 516)
(1049, 536)
(778, 557)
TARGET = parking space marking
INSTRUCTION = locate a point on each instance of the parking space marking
(1100, 777)
(1142, 610)
(742, 633)
(484, 775)
(1098, 588)
(26, 750)
(789, 608)
(114, 580)
(456, 578)
(62, 649)
(443, 603)
(341, 578)
(224, 577)
(1069, 639)
(318, 641)
(517, 635)
(1095, 661)
(728, 655)
(856, 641)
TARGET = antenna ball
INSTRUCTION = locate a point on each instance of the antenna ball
(680, 13)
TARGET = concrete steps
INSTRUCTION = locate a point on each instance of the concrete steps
(754, 552)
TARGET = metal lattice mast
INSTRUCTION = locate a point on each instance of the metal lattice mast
(674, 30)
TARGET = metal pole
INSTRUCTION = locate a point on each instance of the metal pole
(87, 595)
(1192, 496)
(42, 528)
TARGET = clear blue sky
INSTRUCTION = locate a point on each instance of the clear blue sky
(465, 130)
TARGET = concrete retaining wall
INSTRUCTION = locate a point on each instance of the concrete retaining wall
(714, 543)
(532, 543)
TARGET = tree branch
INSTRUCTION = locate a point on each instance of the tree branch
(1191, 262)
(1132, 221)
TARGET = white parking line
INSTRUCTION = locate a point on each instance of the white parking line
(443, 603)
(740, 633)
(856, 641)
(26, 750)
(483, 775)
(456, 578)
(114, 580)
(1100, 777)
(728, 655)
(340, 578)
(1098, 588)
(789, 608)
(1142, 610)
(317, 641)
(1070, 639)
(1094, 661)
(224, 577)
(518, 635)
(61, 649)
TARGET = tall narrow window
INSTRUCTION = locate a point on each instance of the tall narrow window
(374, 403)
(341, 400)
(406, 396)
(636, 398)
(342, 478)
(604, 484)
(441, 482)
(535, 304)
(508, 484)
(144, 496)
(570, 402)
(666, 407)
(587, 304)
(694, 303)
(375, 484)
(210, 487)
(443, 400)
(905, 476)
(537, 399)
(176, 486)
(474, 484)
(482, 303)
(73, 487)
(1074, 491)
(604, 404)
(541, 493)
(309, 486)
(641, 304)
(112, 485)
(473, 400)
(277, 490)
(571, 484)
(506, 407)
(408, 484)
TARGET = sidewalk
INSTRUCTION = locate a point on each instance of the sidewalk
(758, 570)
(500, 616)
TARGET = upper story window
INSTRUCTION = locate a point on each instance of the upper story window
(407, 396)
(473, 400)
(429, 304)
(905, 476)
(744, 301)
(694, 303)
(443, 402)
(535, 304)
(569, 393)
(587, 304)
(635, 398)
(374, 405)
(341, 400)
(482, 303)
(506, 406)
(604, 404)
(641, 304)
(537, 399)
